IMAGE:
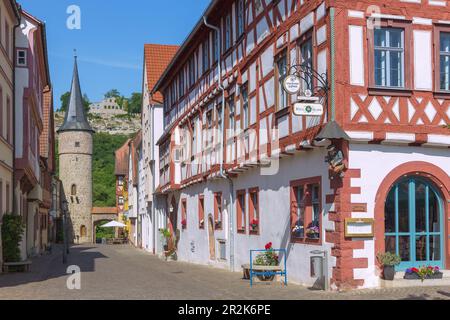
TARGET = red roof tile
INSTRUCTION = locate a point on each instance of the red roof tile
(121, 165)
(157, 57)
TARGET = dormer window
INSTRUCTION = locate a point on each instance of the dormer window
(21, 58)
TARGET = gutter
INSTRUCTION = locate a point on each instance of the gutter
(221, 172)
(17, 11)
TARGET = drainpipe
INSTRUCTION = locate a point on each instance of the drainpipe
(221, 172)
(152, 168)
(13, 184)
(333, 62)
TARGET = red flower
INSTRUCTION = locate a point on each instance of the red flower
(184, 222)
(269, 246)
(415, 270)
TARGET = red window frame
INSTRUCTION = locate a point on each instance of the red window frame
(241, 212)
(201, 212)
(307, 204)
(183, 213)
(408, 60)
(218, 208)
(253, 210)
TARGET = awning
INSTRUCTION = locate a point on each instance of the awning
(113, 224)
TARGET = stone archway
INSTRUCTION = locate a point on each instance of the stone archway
(428, 171)
(100, 215)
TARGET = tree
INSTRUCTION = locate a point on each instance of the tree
(113, 93)
(65, 98)
(135, 103)
(103, 159)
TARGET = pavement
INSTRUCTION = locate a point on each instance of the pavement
(124, 273)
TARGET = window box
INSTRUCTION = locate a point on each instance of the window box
(415, 276)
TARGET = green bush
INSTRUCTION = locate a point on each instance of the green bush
(12, 231)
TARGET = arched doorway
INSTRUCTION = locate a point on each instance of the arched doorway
(414, 223)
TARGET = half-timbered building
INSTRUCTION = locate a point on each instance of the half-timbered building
(241, 166)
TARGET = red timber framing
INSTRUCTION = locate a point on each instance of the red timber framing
(413, 109)
(279, 26)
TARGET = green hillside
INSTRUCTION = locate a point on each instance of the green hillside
(103, 161)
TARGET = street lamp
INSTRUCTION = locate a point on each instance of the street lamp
(65, 208)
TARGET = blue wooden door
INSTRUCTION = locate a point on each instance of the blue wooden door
(414, 224)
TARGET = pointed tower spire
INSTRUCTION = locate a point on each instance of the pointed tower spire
(75, 119)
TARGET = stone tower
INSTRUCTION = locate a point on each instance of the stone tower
(75, 164)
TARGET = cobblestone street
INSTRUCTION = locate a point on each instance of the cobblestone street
(122, 272)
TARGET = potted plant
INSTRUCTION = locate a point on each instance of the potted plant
(313, 232)
(267, 258)
(166, 234)
(298, 231)
(423, 273)
(184, 223)
(254, 224)
(389, 260)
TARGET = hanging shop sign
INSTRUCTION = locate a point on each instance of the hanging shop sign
(292, 84)
(359, 228)
(308, 109)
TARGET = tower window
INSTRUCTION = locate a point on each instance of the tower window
(73, 190)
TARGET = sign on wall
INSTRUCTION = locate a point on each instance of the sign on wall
(292, 84)
(308, 109)
(359, 228)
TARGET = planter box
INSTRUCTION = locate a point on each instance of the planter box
(415, 276)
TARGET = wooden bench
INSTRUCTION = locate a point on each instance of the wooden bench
(25, 264)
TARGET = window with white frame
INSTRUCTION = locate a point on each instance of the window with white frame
(205, 55)
(306, 55)
(245, 111)
(228, 32)
(389, 57)
(215, 46)
(444, 61)
(281, 71)
(231, 117)
(240, 8)
(21, 58)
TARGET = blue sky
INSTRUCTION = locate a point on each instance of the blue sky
(111, 39)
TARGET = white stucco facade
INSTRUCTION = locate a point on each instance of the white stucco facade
(274, 213)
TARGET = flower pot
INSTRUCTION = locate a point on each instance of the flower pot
(415, 276)
(266, 278)
(313, 236)
(389, 273)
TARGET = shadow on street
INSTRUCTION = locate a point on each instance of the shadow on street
(47, 267)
